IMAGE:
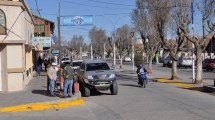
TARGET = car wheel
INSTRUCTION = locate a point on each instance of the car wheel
(85, 90)
(114, 88)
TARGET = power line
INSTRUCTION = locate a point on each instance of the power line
(110, 14)
(93, 5)
(37, 8)
(111, 3)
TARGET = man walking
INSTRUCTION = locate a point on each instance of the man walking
(68, 73)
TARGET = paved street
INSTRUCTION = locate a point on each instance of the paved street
(158, 101)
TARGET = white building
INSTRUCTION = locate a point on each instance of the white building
(16, 31)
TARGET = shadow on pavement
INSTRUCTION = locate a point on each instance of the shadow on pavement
(130, 85)
(94, 92)
(41, 92)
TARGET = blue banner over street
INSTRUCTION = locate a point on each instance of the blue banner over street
(85, 20)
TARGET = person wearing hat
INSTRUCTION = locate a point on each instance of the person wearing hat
(52, 73)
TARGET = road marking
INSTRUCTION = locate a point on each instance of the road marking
(178, 84)
(39, 107)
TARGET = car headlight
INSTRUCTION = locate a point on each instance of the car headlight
(112, 76)
(90, 77)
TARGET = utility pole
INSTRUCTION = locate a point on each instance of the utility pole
(91, 49)
(132, 38)
(114, 55)
(80, 52)
(59, 46)
(104, 51)
(193, 47)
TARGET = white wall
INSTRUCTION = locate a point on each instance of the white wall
(13, 22)
(14, 56)
(15, 82)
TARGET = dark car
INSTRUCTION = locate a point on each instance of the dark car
(96, 74)
(209, 64)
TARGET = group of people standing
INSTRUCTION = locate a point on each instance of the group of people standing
(68, 75)
(52, 70)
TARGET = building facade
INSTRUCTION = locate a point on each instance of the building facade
(16, 31)
(43, 31)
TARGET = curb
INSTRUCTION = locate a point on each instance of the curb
(57, 104)
(178, 84)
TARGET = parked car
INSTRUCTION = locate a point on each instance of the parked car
(209, 64)
(76, 64)
(167, 61)
(185, 62)
(65, 59)
(96, 74)
(127, 59)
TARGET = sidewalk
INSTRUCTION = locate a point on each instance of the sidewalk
(35, 92)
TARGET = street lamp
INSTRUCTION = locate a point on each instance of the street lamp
(132, 38)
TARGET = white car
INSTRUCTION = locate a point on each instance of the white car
(185, 62)
(65, 59)
(127, 59)
(76, 64)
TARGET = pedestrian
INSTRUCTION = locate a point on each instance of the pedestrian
(52, 74)
(38, 69)
(68, 74)
(46, 62)
(40, 61)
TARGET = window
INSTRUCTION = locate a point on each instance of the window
(2, 23)
(39, 30)
(97, 66)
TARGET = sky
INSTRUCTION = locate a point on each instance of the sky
(107, 14)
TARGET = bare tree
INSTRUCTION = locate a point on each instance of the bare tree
(109, 46)
(206, 8)
(98, 38)
(123, 42)
(75, 43)
(144, 24)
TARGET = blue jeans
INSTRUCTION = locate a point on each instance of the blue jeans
(67, 87)
(38, 73)
(51, 83)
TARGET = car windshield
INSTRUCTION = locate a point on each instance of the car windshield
(76, 63)
(97, 66)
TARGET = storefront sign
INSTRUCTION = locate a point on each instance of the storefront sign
(45, 41)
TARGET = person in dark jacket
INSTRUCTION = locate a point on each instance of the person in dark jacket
(141, 71)
(40, 61)
(38, 69)
(68, 74)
